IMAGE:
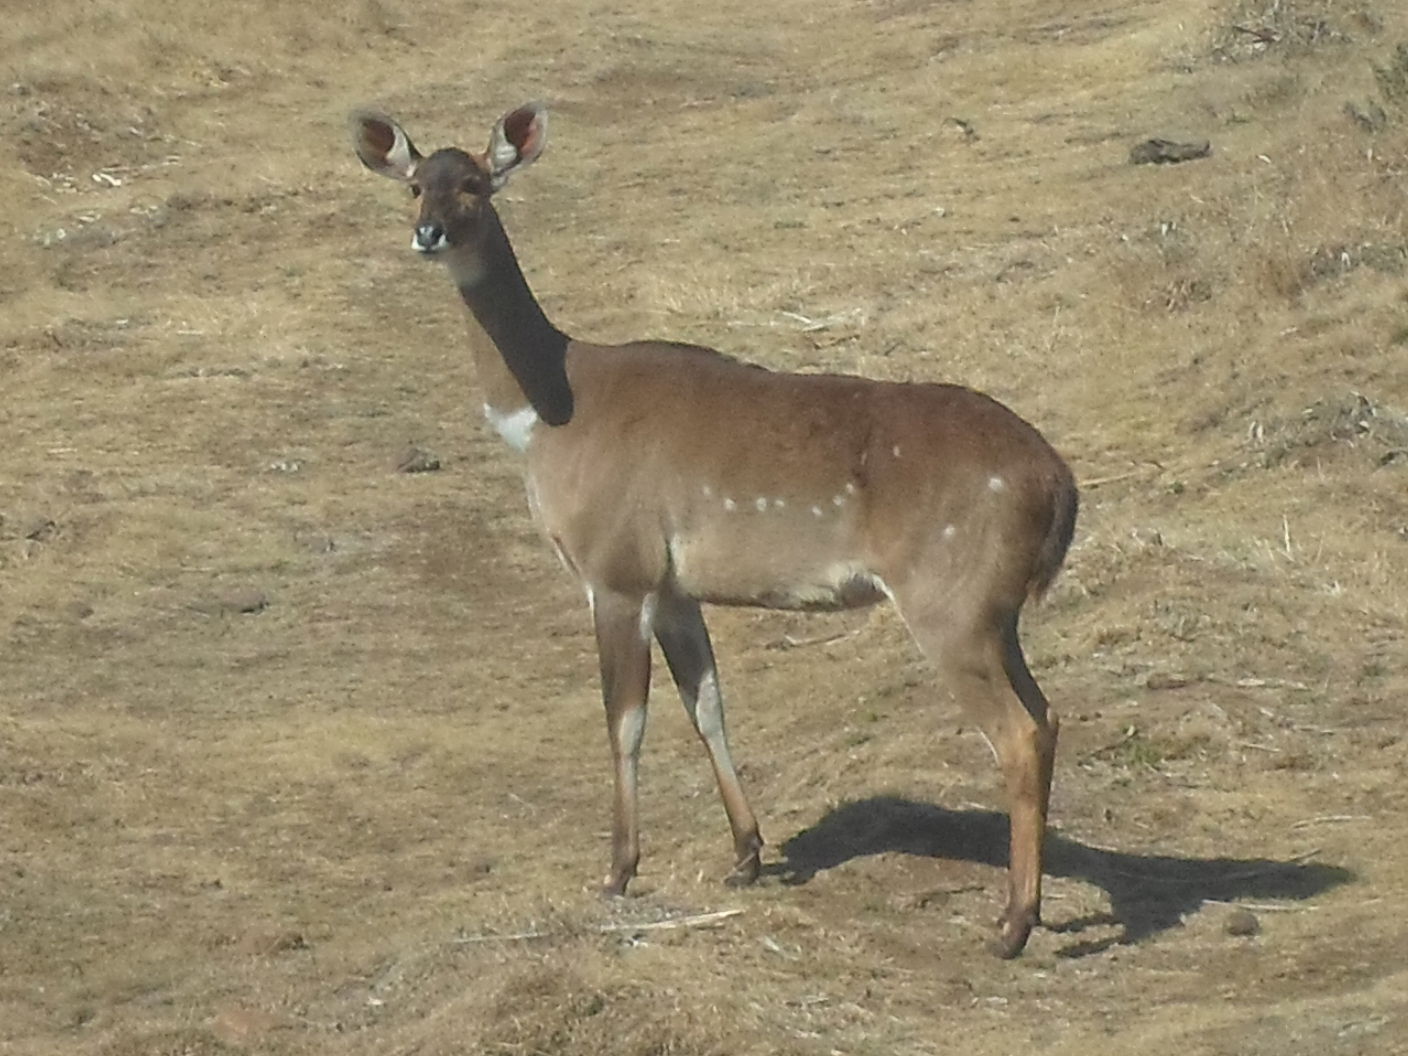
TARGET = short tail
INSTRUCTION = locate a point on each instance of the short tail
(1065, 503)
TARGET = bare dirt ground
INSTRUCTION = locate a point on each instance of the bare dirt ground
(293, 743)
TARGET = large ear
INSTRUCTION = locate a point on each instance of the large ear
(383, 145)
(517, 139)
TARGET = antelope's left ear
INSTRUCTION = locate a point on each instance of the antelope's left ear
(517, 139)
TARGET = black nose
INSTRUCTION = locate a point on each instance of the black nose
(429, 237)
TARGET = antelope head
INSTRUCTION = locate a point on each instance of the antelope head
(453, 186)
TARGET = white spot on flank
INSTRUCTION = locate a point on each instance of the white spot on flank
(730, 505)
(761, 503)
(816, 511)
(708, 491)
(838, 500)
(997, 484)
(779, 503)
(850, 488)
(516, 427)
(950, 531)
(679, 557)
(896, 450)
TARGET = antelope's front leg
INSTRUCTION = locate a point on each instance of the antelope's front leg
(623, 645)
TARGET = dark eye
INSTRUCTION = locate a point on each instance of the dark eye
(470, 187)
(415, 191)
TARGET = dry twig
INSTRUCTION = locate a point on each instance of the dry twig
(787, 641)
(693, 920)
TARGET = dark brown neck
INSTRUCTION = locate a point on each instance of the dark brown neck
(532, 348)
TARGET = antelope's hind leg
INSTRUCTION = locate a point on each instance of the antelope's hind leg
(623, 647)
(980, 660)
(684, 639)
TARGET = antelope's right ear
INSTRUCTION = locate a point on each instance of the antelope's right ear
(383, 145)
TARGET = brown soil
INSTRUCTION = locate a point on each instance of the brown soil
(293, 742)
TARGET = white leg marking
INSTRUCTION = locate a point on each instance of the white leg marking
(631, 731)
(647, 616)
(708, 713)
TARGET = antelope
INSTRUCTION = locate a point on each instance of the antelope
(668, 475)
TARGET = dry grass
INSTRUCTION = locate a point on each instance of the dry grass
(283, 726)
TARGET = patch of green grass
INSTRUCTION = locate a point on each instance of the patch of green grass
(1134, 751)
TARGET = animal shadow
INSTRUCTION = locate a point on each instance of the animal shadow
(1148, 893)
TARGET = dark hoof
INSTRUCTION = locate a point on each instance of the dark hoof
(744, 873)
(1011, 938)
(615, 887)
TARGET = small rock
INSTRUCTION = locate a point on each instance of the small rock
(1167, 152)
(241, 600)
(965, 126)
(78, 610)
(1242, 923)
(38, 529)
(246, 601)
(267, 943)
(480, 865)
(416, 460)
(1370, 117)
(1164, 680)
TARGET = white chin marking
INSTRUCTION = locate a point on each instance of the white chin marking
(516, 427)
(430, 250)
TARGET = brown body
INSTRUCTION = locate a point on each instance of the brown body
(746, 487)
(667, 475)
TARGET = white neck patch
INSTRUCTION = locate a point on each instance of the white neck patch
(516, 427)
